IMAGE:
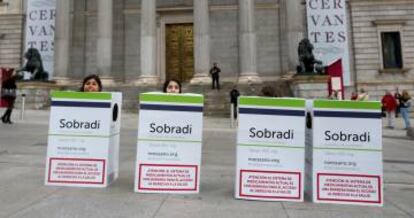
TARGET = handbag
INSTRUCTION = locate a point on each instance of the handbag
(8, 93)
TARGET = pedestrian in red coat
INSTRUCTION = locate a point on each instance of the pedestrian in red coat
(389, 105)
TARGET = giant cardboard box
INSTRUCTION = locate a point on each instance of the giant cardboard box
(169, 143)
(270, 149)
(83, 142)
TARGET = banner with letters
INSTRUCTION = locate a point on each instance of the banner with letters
(83, 142)
(327, 31)
(270, 149)
(40, 30)
(347, 152)
(169, 143)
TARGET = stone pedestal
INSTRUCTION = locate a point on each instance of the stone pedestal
(107, 81)
(147, 81)
(36, 94)
(310, 86)
(248, 79)
(64, 81)
(200, 80)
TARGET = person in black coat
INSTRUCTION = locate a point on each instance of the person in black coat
(215, 74)
(8, 94)
(234, 95)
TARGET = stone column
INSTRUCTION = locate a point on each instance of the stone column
(104, 41)
(247, 44)
(148, 51)
(293, 29)
(201, 43)
(62, 42)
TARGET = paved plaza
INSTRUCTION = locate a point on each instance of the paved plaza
(22, 193)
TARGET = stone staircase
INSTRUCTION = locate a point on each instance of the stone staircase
(11, 39)
(216, 102)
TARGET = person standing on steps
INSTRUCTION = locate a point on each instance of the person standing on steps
(215, 75)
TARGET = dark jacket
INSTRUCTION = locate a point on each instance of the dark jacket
(234, 94)
(214, 72)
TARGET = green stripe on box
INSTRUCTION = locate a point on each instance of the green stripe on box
(168, 140)
(172, 98)
(361, 105)
(270, 146)
(85, 136)
(272, 102)
(349, 149)
(82, 95)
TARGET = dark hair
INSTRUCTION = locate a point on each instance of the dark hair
(164, 89)
(92, 76)
(268, 91)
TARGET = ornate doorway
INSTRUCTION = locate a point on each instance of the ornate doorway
(179, 53)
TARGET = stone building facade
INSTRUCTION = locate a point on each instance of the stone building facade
(143, 42)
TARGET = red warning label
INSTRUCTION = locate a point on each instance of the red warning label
(164, 177)
(270, 184)
(76, 171)
(349, 188)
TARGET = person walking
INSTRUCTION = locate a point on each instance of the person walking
(405, 102)
(215, 75)
(234, 95)
(389, 105)
(8, 95)
(397, 97)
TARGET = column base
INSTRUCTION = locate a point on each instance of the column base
(146, 81)
(107, 81)
(200, 79)
(63, 81)
(250, 78)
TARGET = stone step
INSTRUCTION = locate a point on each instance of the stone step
(216, 102)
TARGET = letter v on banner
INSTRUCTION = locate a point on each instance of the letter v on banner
(336, 78)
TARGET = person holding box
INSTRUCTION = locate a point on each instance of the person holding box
(91, 83)
(172, 86)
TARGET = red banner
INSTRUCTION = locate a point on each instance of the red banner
(334, 71)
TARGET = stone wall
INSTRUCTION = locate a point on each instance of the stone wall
(11, 36)
(126, 36)
(368, 18)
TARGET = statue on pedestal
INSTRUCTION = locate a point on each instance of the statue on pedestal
(34, 65)
(308, 64)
